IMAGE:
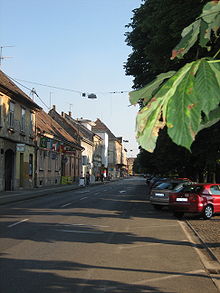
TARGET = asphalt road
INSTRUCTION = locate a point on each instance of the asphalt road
(105, 238)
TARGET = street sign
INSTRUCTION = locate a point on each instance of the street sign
(20, 147)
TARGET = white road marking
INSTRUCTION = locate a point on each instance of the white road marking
(85, 225)
(82, 232)
(12, 225)
(65, 205)
(85, 191)
(143, 282)
(177, 275)
(83, 197)
(136, 246)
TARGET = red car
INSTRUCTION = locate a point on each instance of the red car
(200, 198)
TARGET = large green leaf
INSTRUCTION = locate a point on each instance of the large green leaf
(207, 87)
(148, 124)
(179, 104)
(215, 66)
(147, 92)
(200, 29)
(211, 119)
(184, 110)
(153, 116)
(189, 37)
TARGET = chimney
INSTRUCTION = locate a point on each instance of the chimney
(63, 114)
(70, 113)
(54, 107)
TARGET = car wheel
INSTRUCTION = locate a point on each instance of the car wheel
(157, 207)
(178, 215)
(208, 212)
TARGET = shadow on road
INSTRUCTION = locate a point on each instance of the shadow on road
(29, 275)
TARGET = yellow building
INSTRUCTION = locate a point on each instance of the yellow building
(17, 134)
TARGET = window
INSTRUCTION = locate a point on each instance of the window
(41, 160)
(11, 114)
(31, 165)
(84, 160)
(49, 160)
(215, 189)
(31, 122)
(23, 119)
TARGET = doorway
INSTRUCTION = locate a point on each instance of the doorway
(21, 170)
(9, 170)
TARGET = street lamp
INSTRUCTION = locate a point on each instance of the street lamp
(89, 96)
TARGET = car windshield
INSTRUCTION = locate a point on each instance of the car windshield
(179, 187)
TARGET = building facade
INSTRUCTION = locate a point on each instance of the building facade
(116, 160)
(17, 136)
(58, 154)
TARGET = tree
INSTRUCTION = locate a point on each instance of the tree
(186, 90)
(156, 29)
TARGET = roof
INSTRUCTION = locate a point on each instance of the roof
(101, 127)
(84, 132)
(47, 124)
(9, 87)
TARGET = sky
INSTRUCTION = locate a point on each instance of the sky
(77, 45)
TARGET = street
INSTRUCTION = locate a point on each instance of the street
(104, 238)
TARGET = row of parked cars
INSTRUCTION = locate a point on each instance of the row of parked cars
(181, 195)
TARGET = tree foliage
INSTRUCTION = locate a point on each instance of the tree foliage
(186, 100)
(155, 30)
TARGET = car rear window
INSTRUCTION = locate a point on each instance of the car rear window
(168, 185)
(193, 189)
(164, 185)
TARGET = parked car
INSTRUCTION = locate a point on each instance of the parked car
(160, 194)
(155, 181)
(201, 198)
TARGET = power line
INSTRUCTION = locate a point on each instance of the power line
(31, 90)
(67, 89)
(51, 86)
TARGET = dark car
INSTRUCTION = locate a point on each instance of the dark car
(155, 181)
(159, 196)
(201, 198)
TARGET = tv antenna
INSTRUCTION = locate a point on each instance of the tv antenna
(4, 57)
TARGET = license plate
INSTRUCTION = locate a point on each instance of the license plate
(181, 199)
(159, 194)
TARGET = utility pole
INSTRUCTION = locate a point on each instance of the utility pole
(4, 57)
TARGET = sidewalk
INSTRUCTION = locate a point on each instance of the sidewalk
(20, 195)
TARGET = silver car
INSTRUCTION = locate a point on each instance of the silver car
(159, 196)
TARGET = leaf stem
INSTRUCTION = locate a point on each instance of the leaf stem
(214, 61)
(216, 54)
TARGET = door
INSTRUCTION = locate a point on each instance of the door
(9, 170)
(21, 170)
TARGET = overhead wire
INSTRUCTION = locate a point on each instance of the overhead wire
(67, 89)
(31, 90)
(82, 93)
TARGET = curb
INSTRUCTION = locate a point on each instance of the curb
(43, 192)
(211, 262)
(214, 266)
